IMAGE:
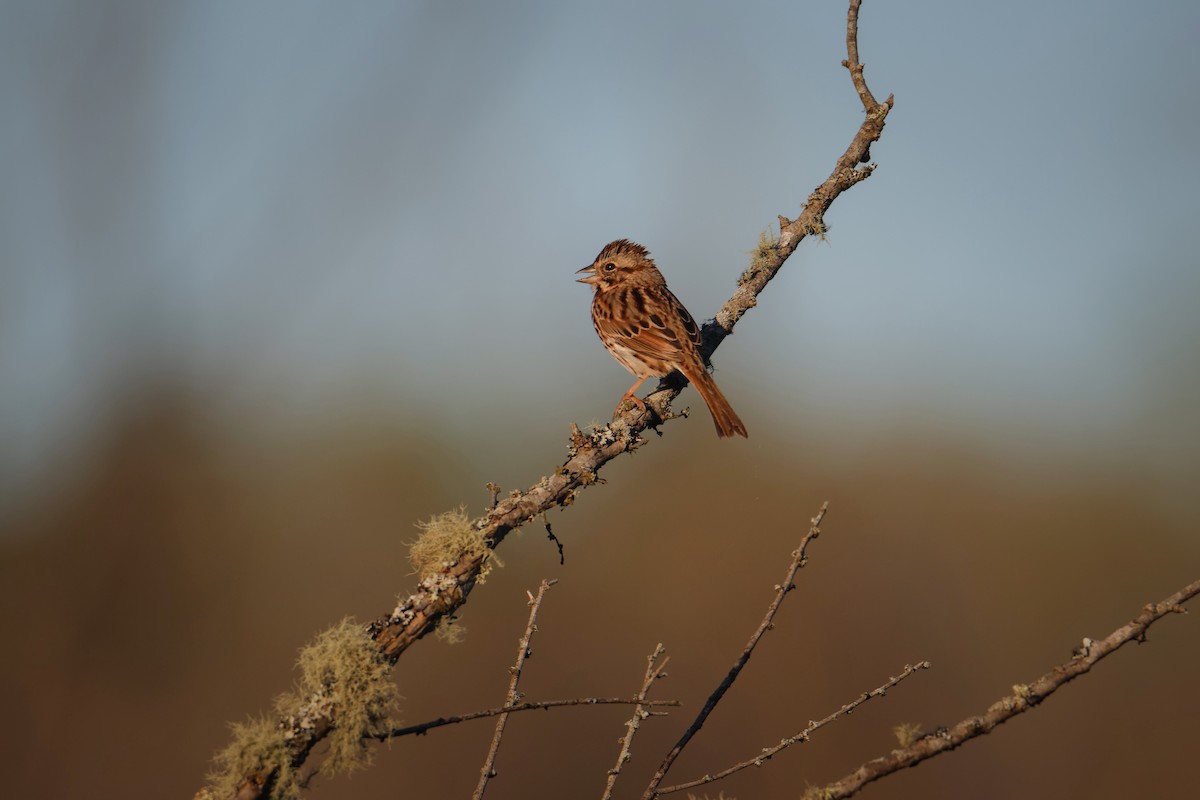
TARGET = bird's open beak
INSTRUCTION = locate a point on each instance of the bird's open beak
(591, 276)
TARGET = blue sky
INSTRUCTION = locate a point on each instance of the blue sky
(300, 209)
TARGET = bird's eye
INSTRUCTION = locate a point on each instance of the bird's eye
(609, 267)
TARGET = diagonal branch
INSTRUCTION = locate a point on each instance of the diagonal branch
(1023, 698)
(443, 594)
(768, 621)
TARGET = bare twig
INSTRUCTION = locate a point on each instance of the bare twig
(422, 728)
(781, 591)
(488, 769)
(1023, 698)
(562, 558)
(852, 63)
(654, 671)
(797, 738)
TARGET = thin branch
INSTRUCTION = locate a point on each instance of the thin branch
(654, 671)
(800, 737)
(781, 591)
(562, 558)
(488, 769)
(589, 452)
(441, 595)
(1023, 698)
(422, 728)
(852, 62)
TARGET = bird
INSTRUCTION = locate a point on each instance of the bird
(647, 330)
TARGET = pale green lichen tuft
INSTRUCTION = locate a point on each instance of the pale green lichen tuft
(762, 257)
(445, 539)
(344, 682)
(907, 733)
(345, 688)
(768, 243)
(257, 746)
(815, 793)
(449, 630)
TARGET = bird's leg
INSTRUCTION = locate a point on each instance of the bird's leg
(631, 397)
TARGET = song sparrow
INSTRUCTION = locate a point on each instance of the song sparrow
(647, 329)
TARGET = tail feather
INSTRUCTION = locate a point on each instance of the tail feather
(724, 417)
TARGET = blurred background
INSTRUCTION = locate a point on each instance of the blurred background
(280, 279)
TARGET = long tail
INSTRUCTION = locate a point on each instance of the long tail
(724, 417)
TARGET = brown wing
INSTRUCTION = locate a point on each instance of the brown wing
(648, 321)
(690, 329)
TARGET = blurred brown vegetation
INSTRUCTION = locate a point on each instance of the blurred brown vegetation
(165, 592)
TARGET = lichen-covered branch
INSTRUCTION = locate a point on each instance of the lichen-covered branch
(440, 595)
(589, 452)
